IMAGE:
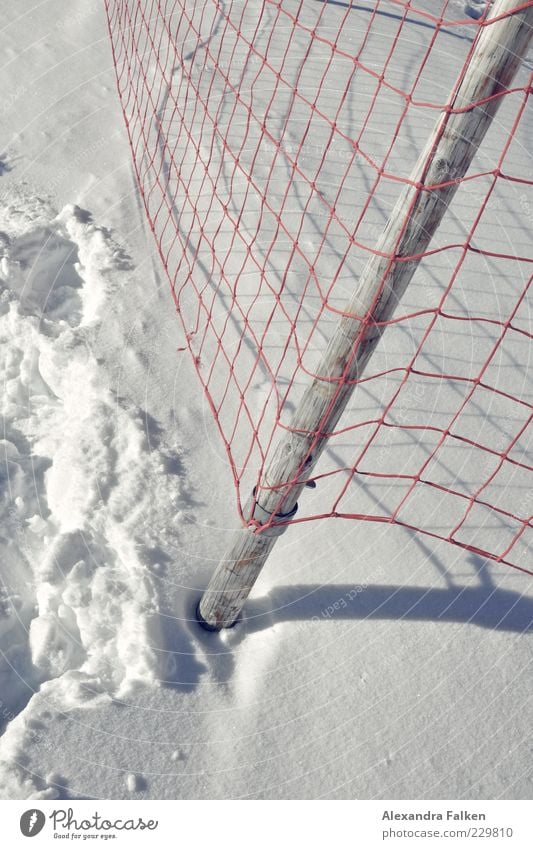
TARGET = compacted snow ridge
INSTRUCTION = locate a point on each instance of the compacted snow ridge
(78, 614)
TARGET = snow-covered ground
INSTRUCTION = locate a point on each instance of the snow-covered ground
(372, 663)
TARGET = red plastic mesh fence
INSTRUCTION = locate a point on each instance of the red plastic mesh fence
(270, 142)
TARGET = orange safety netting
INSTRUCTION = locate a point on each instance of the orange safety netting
(270, 142)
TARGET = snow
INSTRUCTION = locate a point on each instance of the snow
(134, 783)
(371, 663)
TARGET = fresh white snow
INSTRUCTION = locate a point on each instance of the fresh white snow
(371, 663)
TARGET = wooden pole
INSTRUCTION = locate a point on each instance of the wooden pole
(499, 49)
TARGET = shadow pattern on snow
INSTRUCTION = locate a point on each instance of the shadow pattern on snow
(484, 605)
(395, 17)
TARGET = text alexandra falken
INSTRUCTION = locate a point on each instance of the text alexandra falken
(432, 815)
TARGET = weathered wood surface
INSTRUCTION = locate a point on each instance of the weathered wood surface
(499, 50)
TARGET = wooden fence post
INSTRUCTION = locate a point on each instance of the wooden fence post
(499, 49)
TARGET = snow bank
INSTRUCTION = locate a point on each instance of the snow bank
(81, 484)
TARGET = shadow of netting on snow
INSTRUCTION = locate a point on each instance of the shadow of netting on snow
(485, 605)
(311, 608)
